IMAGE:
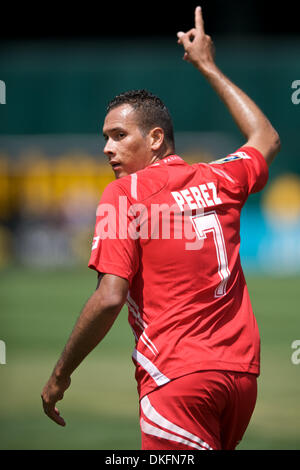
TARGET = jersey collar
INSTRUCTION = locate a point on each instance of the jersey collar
(169, 160)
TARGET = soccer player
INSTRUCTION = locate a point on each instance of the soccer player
(167, 243)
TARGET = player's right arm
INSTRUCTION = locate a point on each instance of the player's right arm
(253, 124)
(94, 322)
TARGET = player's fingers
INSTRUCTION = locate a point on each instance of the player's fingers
(59, 419)
(54, 414)
(186, 38)
(183, 38)
(199, 23)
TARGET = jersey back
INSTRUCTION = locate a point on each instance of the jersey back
(174, 233)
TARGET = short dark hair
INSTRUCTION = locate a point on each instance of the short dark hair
(150, 109)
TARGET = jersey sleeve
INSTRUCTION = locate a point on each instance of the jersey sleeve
(246, 167)
(113, 251)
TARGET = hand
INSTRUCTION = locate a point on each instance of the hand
(198, 46)
(53, 392)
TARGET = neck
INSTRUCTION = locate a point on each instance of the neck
(165, 152)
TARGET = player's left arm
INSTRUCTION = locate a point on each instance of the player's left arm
(94, 322)
(253, 124)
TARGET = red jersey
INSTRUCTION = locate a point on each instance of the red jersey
(173, 230)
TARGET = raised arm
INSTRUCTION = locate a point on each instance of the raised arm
(253, 124)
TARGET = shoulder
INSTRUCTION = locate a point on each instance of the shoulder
(242, 155)
(246, 167)
(112, 190)
(231, 157)
(142, 184)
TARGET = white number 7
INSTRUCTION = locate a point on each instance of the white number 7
(209, 222)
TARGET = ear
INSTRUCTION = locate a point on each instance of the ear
(157, 137)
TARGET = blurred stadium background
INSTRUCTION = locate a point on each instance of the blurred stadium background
(52, 174)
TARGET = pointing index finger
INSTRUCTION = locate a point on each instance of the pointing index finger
(199, 23)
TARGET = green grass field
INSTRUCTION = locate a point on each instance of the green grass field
(38, 311)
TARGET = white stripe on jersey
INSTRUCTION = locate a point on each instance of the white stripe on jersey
(134, 308)
(135, 335)
(147, 345)
(186, 438)
(137, 319)
(222, 173)
(147, 341)
(152, 370)
(134, 185)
